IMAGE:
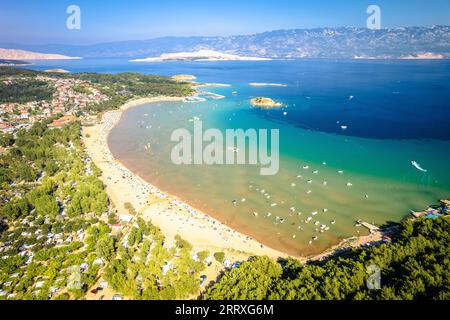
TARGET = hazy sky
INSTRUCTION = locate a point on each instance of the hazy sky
(44, 21)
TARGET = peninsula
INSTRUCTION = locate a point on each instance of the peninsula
(201, 55)
(13, 54)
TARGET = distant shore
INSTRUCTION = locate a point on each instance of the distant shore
(169, 213)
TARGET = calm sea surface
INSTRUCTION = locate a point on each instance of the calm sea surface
(394, 112)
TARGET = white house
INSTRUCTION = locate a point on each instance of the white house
(125, 218)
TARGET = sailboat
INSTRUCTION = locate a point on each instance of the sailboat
(418, 167)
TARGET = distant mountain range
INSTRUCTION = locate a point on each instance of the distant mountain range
(342, 42)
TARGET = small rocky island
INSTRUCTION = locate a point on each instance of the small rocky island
(265, 102)
(264, 84)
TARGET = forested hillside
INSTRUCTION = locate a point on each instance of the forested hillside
(416, 265)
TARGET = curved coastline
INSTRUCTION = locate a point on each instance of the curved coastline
(168, 212)
(173, 215)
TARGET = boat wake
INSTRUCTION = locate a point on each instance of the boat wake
(418, 167)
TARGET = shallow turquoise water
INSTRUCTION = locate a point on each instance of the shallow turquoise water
(379, 168)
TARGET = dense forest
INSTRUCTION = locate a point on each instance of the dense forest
(415, 265)
(125, 86)
(22, 91)
(42, 174)
(18, 72)
(50, 198)
(145, 269)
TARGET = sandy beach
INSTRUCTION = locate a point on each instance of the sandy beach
(171, 215)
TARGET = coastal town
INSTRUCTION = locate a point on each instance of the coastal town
(70, 98)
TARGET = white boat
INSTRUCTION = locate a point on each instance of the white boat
(418, 167)
(344, 127)
(306, 167)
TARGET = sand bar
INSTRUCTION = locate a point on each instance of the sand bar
(262, 84)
